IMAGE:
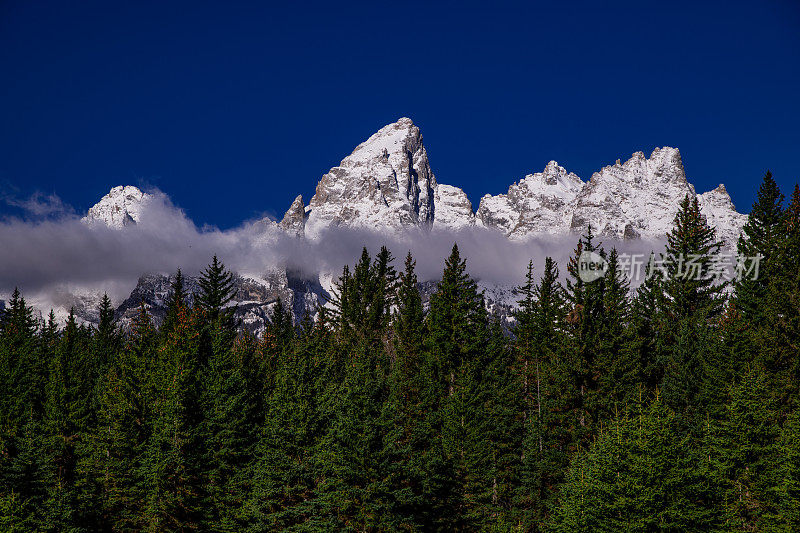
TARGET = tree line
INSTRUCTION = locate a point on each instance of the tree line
(671, 407)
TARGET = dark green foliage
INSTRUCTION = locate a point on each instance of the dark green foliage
(692, 248)
(644, 333)
(761, 236)
(640, 475)
(744, 448)
(216, 288)
(540, 342)
(691, 306)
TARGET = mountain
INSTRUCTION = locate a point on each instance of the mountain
(387, 185)
(541, 203)
(720, 212)
(121, 207)
(635, 199)
(253, 300)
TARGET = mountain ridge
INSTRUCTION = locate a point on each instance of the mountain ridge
(387, 185)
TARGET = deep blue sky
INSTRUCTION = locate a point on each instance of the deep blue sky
(234, 108)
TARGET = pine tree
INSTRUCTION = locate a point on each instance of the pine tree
(178, 299)
(173, 460)
(117, 446)
(779, 338)
(226, 438)
(455, 350)
(23, 375)
(583, 325)
(644, 339)
(640, 475)
(280, 328)
(744, 450)
(403, 413)
(65, 423)
(788, 492)
(285, 474)
(216, 289)
(692, 303)
(761, 237)
(616, 368)
(354, 458)
(692, 249)
(540, 347)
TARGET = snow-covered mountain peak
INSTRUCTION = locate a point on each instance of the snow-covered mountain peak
(719, 198)
(386, 183)
(538, 203)
(553, 177)
(637, 198)
(391, 139)
(121, 207)
(720, 213)
(294, 221)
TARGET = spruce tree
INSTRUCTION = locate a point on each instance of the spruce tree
(640, 475)
(65, 421)
(540, 346)
(177, 300)
(616, 368)
(216, 289)
(744, 450)
(285, 474)
(760, 237)
(583, 325)
(173, 461)
(692, 248)
(403, 413)
(692, 304)
(644, 333)
(787, 517)
(779, 338)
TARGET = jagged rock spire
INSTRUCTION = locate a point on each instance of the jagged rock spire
(294, 221)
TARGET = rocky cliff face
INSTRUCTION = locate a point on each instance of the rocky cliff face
(121, 207)
(294, 221)
(638, 198)
(253, 301)
(720, 212)
(541, 203)
(386, 183)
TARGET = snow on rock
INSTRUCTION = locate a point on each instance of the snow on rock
(453, 209)
(119, 208)
(638, 198)
(386, 183)
(294, 221)
(720, 213)
(539, 203)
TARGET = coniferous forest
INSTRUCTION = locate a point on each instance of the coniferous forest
(671, 407)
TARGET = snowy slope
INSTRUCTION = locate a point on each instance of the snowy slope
(720, 212)
(386, 183)
(539, 203)
(638, 198)
(121, 207)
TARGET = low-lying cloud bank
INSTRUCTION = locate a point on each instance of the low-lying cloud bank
(50, 256)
